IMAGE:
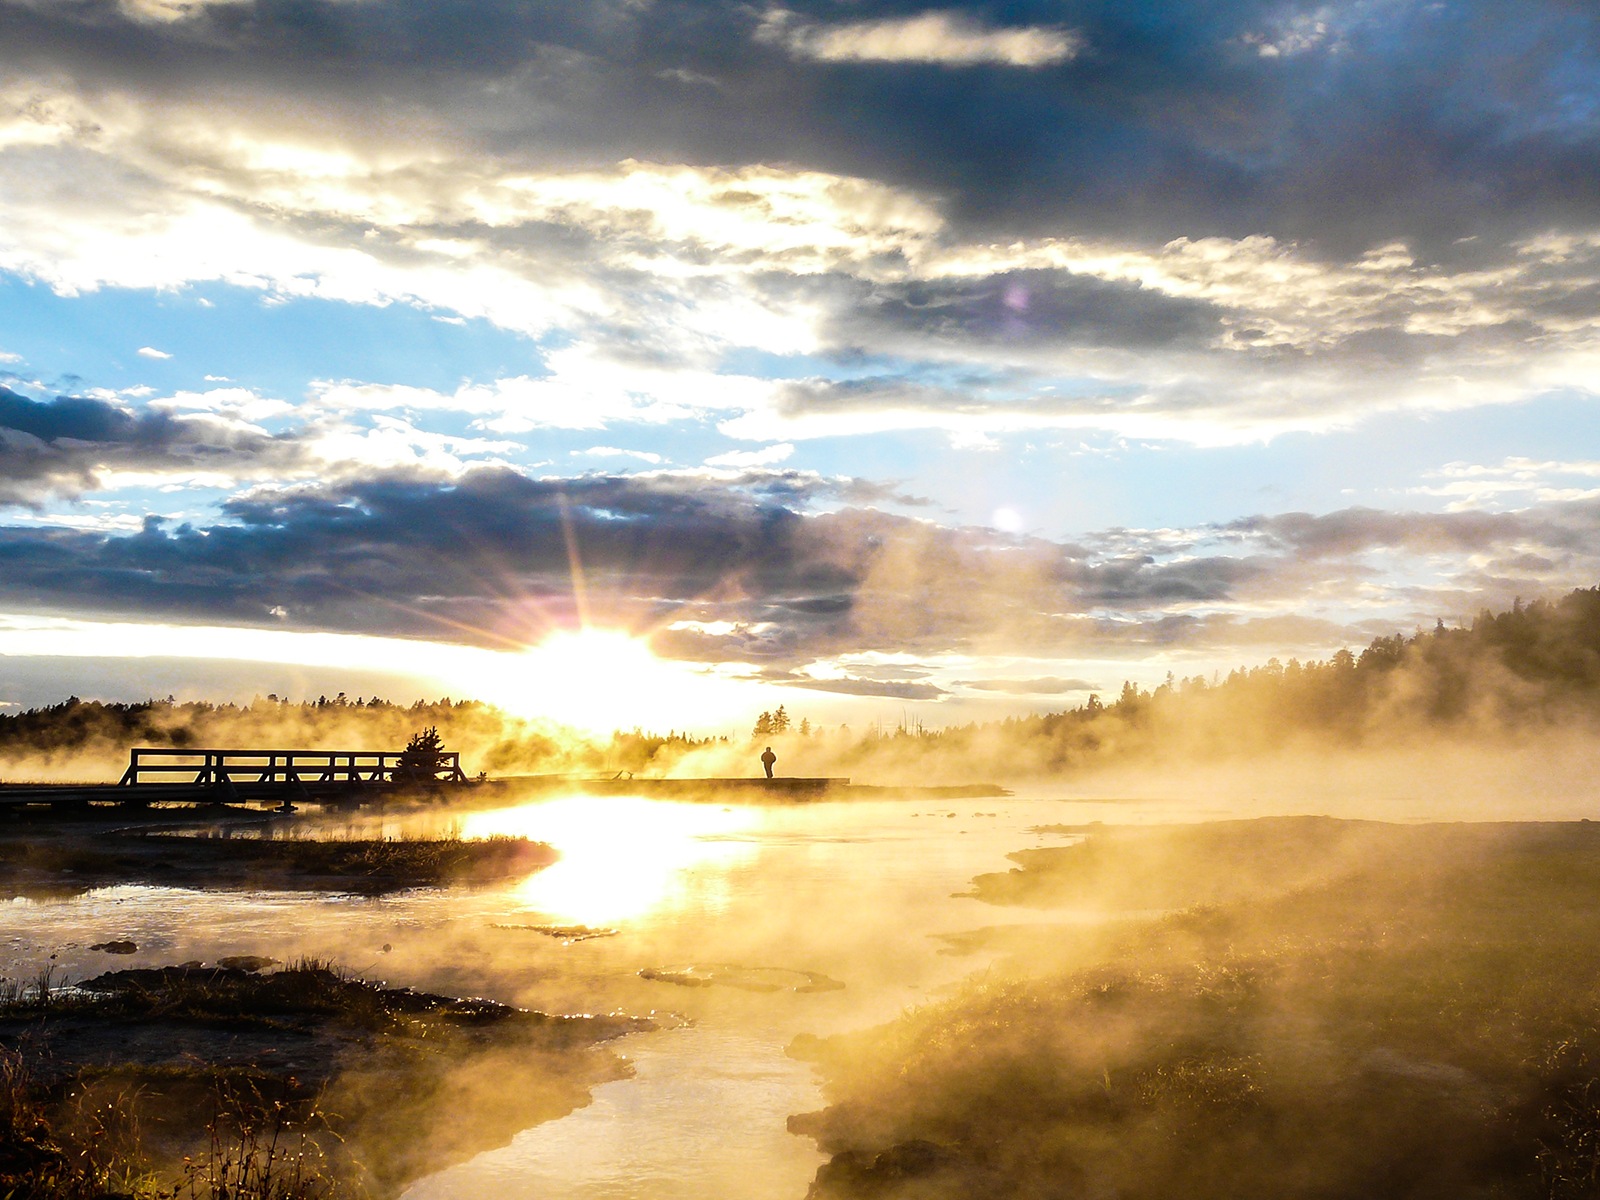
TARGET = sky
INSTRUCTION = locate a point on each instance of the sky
(877, 359)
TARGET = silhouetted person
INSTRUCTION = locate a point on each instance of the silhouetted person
(767, 759)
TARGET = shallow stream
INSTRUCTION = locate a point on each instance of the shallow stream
(739, 927)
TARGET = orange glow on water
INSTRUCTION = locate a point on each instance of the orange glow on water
(622, 857)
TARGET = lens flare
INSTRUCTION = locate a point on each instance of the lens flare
(601, 680)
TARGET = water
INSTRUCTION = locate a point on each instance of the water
(764, 911)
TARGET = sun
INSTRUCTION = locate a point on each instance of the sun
(600, 680)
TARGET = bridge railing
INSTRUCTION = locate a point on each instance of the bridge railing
(352, 768)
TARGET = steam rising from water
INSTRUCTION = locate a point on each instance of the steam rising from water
(624, 857)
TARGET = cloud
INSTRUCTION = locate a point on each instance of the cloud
(765, 457)
(1216, 342)
(1022, 309)
(1470, 486)
(940, 38)
(1182, 128)
(1242, 220)
(615, 452)
(1297, 33)
(237, 402)
(1049, 685)
(152, 352)
(72, 445)
(1354, 531)
(581, 389)
(167, 11)
(888, 689)
(1186, 241)
(774, 567)
(482, 558)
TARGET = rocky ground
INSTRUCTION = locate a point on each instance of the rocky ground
(388, 1083)
(65, 857)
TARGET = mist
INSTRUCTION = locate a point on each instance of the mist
(1290, 1006)
(624, 369)
(80, 740)
(1313, 929)
(1517, 688)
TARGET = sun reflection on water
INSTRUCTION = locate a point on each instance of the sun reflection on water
(622, 857)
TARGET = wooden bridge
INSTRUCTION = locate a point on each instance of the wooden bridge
(283, 778)
(299, 768)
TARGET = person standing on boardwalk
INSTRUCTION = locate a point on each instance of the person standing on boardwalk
(767, 759)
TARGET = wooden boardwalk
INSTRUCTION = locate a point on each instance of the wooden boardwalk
(278, 778)
(163, 778)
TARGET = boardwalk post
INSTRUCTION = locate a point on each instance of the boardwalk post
(161, 774)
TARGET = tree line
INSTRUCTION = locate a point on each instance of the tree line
(1533, 665)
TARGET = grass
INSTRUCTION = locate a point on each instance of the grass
(262, 1150)
(317, 1084)
(1407, 1013)
(307, 989)
(37, 994)
(374, 865)
(68, 1150)
(89, 1147)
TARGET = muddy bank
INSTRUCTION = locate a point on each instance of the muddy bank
(1324, 1009)
(1141, 867)
(783, 789)
(68, 857)
(390, 1083)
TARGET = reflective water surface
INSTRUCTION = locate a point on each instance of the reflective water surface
(735, 925)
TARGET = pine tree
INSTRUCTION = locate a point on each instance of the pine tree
(423, 754)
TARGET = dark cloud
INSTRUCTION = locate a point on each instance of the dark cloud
(1049, 685)
(491, 555)
(765, 567)
(1224, 631)
(888, 689)
(63, 447)
(887, 682)
(1419, 121)
(1022, 309)
(1140, 580)
(1353, 531)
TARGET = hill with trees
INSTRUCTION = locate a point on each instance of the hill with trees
(1533, 667)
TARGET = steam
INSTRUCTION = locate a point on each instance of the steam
(79, 741)
(1380, 1009)
(1524, 684)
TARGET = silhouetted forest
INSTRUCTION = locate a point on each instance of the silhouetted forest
(1534, 666)
(83, 737)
